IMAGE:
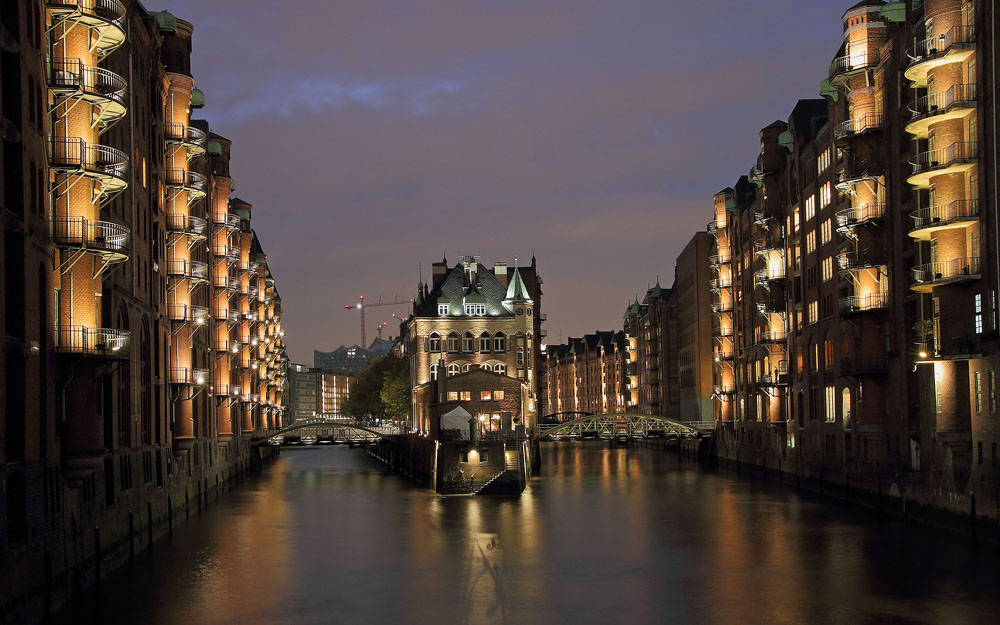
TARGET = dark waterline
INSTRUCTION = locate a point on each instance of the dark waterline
(327, 535)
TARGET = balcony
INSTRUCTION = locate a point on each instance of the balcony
(106, 18)
(722, 354)
(774, 336)
(714, 227)
(104, 238)
(104, 89)
(229, 252)
(860, 215)
(856, 304)
(957, 214)
(849, 262)
(722, 257)
(769, 307)
(250, 290)
(765, 245)
(250, 398)
(194, 227)
(724, 389)
(188, 137)
(717, 284)
(956, 45)
(722, 307)
(246, 266)
(186, 313)
(930, 275)
(188, 376)
(856, 62)
(764, 277)
(86, 341)
(954, 103)
(234, 316)
(193, 270)
(184, 180)
(864, 366)
(957, 157)
(855, 170)
(720, 331)
(104, 164)
(858, 126)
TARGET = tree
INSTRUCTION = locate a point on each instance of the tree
(368, 395)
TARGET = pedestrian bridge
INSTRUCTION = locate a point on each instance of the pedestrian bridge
(634, 425)
(345, 428)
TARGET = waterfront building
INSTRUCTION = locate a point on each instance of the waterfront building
(142, 335)
(473, 317)
(651, 328)
(693, 299)
(316, 392)
(586, 374)
(351, 359)
(856, 332)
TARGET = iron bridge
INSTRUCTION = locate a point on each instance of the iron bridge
(634, 425)
(346, 428)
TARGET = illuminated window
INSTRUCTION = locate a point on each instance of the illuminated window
(475, 310)
(824, 160)
(978, 318)
(466, 395)
(467, 342)
(434, 372)
(434, 343)
(485, 342)
(453, 369)
(810, 207)
(486, 395)
(443, 309)
(498, 394)
(825, 195)
(827, 268)
(826, 231)
(452, 343)
(831, 404)
(452, 395)
(811, 242)
(501, 369)
(813, 312)
(500, 342)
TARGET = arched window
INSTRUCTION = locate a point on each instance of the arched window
(434, 371)
(499, 343)
(452, 343)
(486, 366)
(466, 368)
(500, 368)
(453, 369)
(467, 342)
(434, 343)
(485, 343)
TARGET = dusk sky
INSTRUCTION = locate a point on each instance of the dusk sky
(373, 135)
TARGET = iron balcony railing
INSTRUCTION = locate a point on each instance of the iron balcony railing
(773, 336)
(234, 316)
(187, 224)
(249, 290)
(232, 221)
(936, 103)
(863, 303)
(768, 307)
(175, 132)
(720, 283)
(72, 75)
(193, 269)
(76, 154)
(188, 375)
(721, 257)
(853, 62)
(722, 307)
(714, 227)
(722, 330)
(858, 125)
(959, 210)
(250, 398)
(957, 152)
(724, 354)
(184, 179)
(724, 389)
(187, 313)
(934, 46)
(91, 341)
(766, 275)
(854, 261)
(80, 232)
(857, 215)
(965, 267)
(109, 12)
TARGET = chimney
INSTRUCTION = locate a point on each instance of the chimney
(442, 386)
(438, 272)
(500, 271)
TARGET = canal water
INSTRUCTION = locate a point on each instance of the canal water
(327, 535)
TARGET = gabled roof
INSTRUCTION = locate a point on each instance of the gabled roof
(516, 290)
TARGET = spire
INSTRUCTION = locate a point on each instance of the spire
(516, 290)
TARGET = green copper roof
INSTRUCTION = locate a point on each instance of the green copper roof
(828, 90)
(516, 291)
(787, 140)
(165, 21)
(894, 12)
(197, 98)
(214, 148)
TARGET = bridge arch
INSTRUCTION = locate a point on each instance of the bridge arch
(611, 424)
(322, 423)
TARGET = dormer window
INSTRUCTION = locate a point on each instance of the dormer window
(443, 310)
(475, 310)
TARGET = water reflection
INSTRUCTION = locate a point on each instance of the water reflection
(605, 535)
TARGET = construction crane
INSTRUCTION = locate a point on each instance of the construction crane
(362, 306)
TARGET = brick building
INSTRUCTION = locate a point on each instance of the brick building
(142, 338)
(587, 374)
(473, 317)
(854, 272)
